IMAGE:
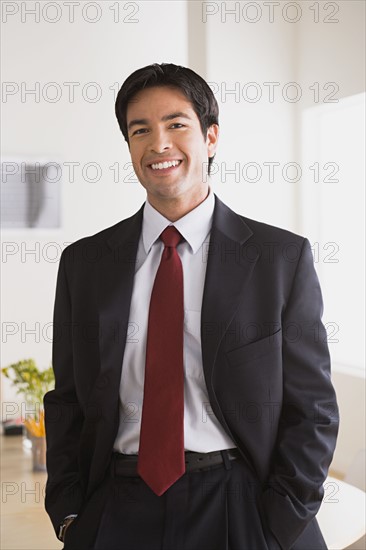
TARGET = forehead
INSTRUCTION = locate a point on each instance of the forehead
(158, 100)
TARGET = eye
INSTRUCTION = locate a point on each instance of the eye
(139, 131)
(177, 125)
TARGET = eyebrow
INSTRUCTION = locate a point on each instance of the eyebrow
(145, 121)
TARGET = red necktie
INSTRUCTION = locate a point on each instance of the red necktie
(161, 449)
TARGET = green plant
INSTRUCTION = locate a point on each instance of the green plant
(30, 382)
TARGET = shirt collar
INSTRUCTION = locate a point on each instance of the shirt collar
(194, 226)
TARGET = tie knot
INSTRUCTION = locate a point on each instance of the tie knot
(171, 236)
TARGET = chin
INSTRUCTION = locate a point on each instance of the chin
(168, 189)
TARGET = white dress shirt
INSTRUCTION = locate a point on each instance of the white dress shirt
(202, 430)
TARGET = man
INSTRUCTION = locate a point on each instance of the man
(193, 406)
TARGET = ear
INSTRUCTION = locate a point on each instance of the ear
(212, 139)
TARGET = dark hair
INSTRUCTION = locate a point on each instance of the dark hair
(193, 86)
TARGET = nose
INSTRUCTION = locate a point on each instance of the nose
(160, 141)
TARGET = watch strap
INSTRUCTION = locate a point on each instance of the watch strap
(64, 525)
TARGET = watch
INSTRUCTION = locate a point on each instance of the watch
(64, 525)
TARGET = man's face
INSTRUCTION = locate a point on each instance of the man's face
(163, 128)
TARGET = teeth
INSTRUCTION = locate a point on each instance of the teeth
(162, 165)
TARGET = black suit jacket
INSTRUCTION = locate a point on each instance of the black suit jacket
(265, 360)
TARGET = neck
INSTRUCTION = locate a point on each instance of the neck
(175, 208)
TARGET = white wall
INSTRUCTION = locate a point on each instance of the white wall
(332, 51)
(104, 52)
(253, 132)
(335, 53)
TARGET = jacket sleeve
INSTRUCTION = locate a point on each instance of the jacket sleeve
(63, 415)
(309, 416)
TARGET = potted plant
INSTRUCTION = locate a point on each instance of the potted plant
(32, 383)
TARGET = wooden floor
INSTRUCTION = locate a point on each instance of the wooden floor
(24, 522)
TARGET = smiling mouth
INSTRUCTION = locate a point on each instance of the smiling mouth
(166, 165)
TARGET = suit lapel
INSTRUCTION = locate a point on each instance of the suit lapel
(229, 268)
(115, 286)
(116, 272)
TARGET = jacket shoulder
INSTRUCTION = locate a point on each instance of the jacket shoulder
(237, 225)
(266, 232)
(100, 239)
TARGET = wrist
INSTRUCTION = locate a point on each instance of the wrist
(64, 526)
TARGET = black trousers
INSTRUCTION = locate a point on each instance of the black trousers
(216, 509)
